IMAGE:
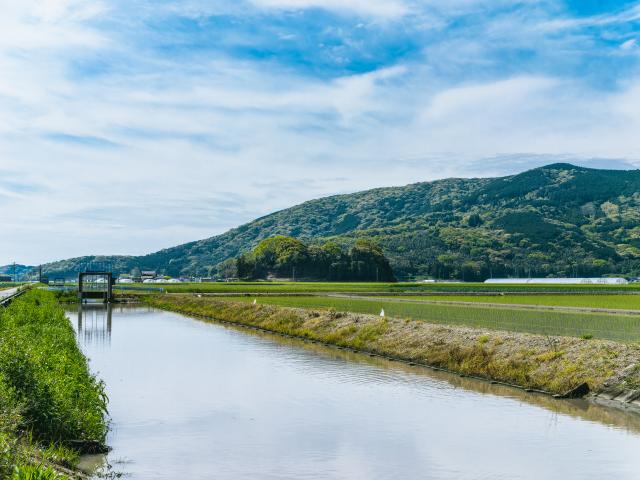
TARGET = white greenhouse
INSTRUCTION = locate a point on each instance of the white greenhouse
(561, 281)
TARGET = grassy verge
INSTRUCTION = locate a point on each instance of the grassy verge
(552, 364)
(621, 328)
(51, 407)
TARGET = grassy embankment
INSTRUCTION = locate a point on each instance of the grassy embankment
(622, 328)
(552, 364)
(51, 407)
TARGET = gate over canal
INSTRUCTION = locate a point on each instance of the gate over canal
(95, 285)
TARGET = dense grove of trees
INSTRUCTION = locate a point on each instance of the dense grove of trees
(287, 257)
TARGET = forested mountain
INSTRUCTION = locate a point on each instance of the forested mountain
(18, 270)
(555, 220)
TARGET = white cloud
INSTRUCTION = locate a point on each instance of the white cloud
(376, 8)
(189, 132)
(629, 44)
(501, 97)
(629, 15)
(49, 24)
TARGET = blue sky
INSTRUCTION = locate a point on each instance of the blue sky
(128, 126)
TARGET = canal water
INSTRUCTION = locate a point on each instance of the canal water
(194, 400)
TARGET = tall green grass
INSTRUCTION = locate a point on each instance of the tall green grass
(47, 393)
(624, 328)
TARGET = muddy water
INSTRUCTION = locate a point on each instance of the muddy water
(205, 401)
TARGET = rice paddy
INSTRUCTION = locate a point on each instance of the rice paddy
(620, 302)
(622, 328)
(380, 287)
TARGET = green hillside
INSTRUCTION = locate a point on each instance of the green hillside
(19, 270)
(555, 220)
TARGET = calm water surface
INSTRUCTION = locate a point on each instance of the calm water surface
(193, 400)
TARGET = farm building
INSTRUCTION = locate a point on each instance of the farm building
(563, 281)
(147, 275)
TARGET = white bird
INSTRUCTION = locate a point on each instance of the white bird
(255, 301)
(382, 312)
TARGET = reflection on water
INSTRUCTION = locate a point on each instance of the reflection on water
(196, 400)
(94, 323)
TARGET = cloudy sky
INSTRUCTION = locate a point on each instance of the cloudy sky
(131, 125)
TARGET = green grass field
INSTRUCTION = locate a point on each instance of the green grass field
(625, 328)
(622, 302)
(407, 288)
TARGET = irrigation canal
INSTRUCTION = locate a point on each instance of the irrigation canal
(198, 400)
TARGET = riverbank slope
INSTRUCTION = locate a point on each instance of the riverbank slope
(52, 408)
(553, 364)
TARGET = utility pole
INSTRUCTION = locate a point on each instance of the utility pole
(15, 278)
(293, 269)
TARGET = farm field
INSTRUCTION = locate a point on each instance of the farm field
(621, 302)
(624, 328)
(373, 287)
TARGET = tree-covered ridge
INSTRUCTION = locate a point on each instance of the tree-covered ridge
(555, 220)
(287, 257)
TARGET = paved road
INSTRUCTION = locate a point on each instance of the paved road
(8, 292)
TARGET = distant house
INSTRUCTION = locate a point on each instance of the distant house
(6, 278)
(148, 275)
(561, 281)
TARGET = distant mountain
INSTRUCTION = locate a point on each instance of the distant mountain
(20, 270)
(555, 220)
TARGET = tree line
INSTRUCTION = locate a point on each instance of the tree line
(287, 257)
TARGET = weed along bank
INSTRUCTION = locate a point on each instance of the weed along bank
(53, 408)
